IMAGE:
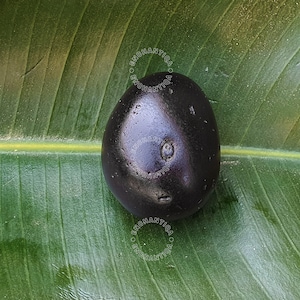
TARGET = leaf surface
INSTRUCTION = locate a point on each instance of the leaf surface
(64, 66)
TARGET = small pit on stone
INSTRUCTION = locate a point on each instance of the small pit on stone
(164, 199)
(167, 150)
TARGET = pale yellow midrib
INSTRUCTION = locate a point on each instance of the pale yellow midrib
(258, 152)
(57, 147)
(95, 147)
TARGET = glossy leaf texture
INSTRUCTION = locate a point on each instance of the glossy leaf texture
(64, 66)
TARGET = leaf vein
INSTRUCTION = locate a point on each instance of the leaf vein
(208, 37)
(115, 58)
(273, 83)
(209, 280)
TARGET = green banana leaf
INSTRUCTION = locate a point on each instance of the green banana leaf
(64, 66)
